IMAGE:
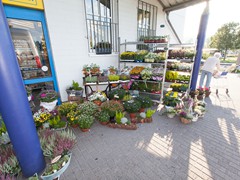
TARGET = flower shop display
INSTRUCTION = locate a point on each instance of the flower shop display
(146, 73)
(56, 122)
(41, 118)
(67, 107)
(103, 117)
(102, 79)
(132, 107)
(185, 116)
(29, 92)
(88, 108)
(9, 165)
(200, 95)
(146, 117)
(91, 79)
(170, 111)
(128, 55)
(135, 72)
(140, 55)
(117, 94)
(48, 99)
(171, 99)
(75, 92)
(112, 70)
(150, 57)
(179, 87)
(145, 102)
(171, 76)
(56, 145)
(98, 97)
(92, 69)
(157, 74)
(113, 78)
(85, 122)
(72, 118)
(161, 56)
(207, 91)
(124, 77)
(112, 107)
(183, 78)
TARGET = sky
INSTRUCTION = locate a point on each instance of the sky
(221, 12)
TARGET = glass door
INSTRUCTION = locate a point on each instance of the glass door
(32, 47)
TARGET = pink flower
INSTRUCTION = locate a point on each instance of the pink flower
(43, 95)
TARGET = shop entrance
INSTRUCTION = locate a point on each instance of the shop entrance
(32, 47)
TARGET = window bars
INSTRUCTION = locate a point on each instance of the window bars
(102, 26)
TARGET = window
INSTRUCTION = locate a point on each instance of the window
(147, 19)
(102, 25)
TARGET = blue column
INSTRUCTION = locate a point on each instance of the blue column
(200, 44)
(14, 106)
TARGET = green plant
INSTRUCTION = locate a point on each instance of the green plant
(56, 122)
(145, 101)
(75, 86)
(113, 77)
(140, 55)
(103, 116)
(171, 75)
(171, 110)
(132, 106)
(117, 94)
(3, 129)
(151, 55)
(88, 108)
(85, 121)
(90, 79)
(66, 107)
(48, 96)
(124, 77)
(149, 113)
(146, 73)
(186, 114)
(112, 107)
(119, 116)
(128, 55)
(171, 99)
(72, 117)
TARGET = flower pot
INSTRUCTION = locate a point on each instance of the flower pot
(207, 93)
(98, 102)
(85, 130)
(58, 173)
(103, 123)
(74, 125)
(184, 120)
(132, 115)
(49, 105)
(200, 97)
(112, 120)
(170, 115)
(141, 110)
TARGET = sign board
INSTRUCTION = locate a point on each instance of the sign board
(34, 4)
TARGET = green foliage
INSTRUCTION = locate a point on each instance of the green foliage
(226, 37)
(2, 126)
(119, 116)
(113, 77)
(88, 108)
(132, 106)
(75, 86)
(124, 77)
(90, 79)
(179, 87)
(149, 113)
(66, 107)
(171, 75)
(145, 101)
(103, 116)
(128, 55)
(56, 122)
(117, 94)
(112, 107)
(85, 121)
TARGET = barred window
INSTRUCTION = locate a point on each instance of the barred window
(102, 26)
(147, 19)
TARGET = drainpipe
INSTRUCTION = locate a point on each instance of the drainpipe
(171, 26)
(15, 108)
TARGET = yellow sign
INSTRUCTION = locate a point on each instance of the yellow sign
(34, 4)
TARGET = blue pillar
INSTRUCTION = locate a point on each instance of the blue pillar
(15, 108)
(200, 44)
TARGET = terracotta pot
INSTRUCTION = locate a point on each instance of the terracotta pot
(141, 110)
(132, 115)
(207, 93)
(184, 120)
(103, 123)
(98, 102)
(84, 130)
(74, 125)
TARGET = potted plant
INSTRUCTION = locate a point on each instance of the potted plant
(55, 121)
(85, 122)
(48, 99)
(41, 118)
(98, 97)
(56, 145)
(128, 55)
(103, 48)
(112, 107)
(149, 114)
(140, 55)
(9, 165)
(72, 118)
(132, 107)
(150, 57)
(117, 94)
(114, 78)
(207, 91)
(88, 108)
(170, 111)
(75, 92)
(112, 70)
(185, 116)
(103, 117)
(4, 137)
(146, 73)
(145, 101)
(67, 107)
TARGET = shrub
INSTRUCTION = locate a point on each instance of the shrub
(85, 121)
(132, 106)
(145, 101)
(112, 107)
(88, 108)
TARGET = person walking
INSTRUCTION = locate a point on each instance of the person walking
(208, 68)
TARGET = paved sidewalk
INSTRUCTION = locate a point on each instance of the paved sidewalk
(166, 149)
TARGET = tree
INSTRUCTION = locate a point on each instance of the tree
(226, 37)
